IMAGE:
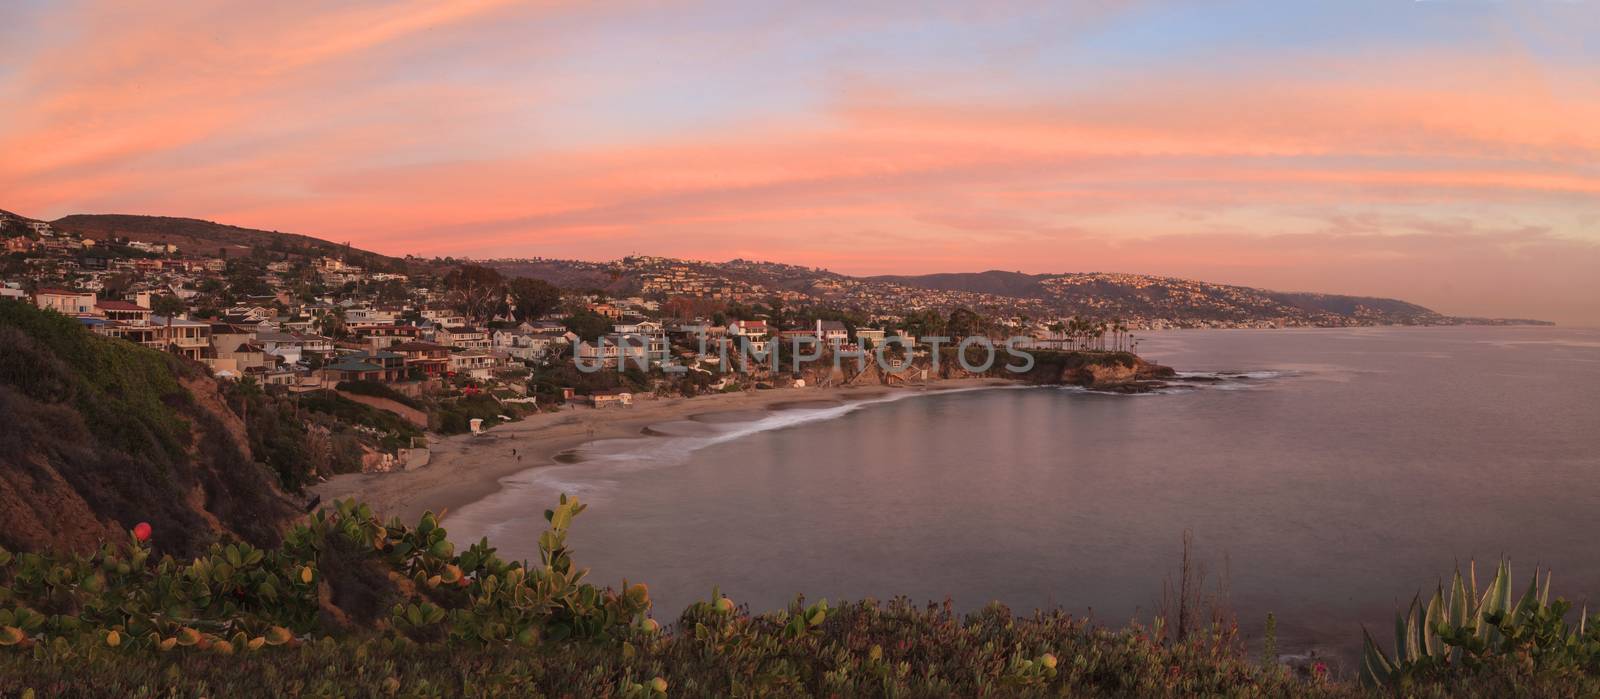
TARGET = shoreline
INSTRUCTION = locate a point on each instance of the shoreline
(466, 468)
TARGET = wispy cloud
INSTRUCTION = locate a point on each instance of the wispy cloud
(1410, 157)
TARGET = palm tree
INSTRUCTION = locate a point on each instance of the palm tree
(168, 306)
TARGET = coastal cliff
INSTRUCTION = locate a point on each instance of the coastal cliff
(97, 435)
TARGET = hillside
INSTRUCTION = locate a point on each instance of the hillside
(212, 239)
(99, 434)
(991, 282)
(1141, 300)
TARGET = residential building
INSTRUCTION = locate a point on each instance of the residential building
(123, 311)
(611, 398)
(190, 338)
(429, 359)
(349, 370)
(832, 332)
(465, 337)
(65, 301)
(392, 364)
(477, 364)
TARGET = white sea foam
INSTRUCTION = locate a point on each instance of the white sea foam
(587, 477)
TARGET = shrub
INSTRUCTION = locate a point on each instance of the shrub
(1494, 637)
(351, 606)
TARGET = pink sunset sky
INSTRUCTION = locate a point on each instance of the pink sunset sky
(1444, 152)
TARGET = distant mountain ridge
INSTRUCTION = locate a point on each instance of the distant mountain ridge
(1148, 300)
(1135, 293)
(207, 237)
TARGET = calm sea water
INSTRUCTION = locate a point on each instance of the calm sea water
(1330, 476)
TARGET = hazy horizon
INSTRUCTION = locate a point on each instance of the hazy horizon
(1437, 152)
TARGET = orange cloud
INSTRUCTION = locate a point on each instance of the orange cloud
(327, 121)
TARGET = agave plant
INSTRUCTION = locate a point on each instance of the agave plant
(1466, 627)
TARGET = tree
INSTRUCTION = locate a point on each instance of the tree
(588, 325)
(925, 323)
(477, 292)
(169, 306)
(776, 314)
(331, 323)
(532, 298)
(965, 323)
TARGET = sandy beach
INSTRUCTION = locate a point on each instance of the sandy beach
(466, 468)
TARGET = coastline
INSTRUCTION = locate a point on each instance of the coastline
(466, 468)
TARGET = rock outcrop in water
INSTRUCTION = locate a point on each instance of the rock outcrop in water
(1120, 372)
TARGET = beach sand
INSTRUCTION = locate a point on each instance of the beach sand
(463, 469)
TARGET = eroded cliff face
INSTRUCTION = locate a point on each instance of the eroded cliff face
(97, 435)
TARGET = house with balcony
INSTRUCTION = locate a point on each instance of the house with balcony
(521, 343)
(465, 337)
(65, 301)
(444, 317)
(832, 332)
(427, 358)
(870, 336)
(749, 336)
(123, 311)
(382, 336)
(478, 364)
(190, 338)
(622, 351)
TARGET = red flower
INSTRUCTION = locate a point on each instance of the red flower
(141, 531)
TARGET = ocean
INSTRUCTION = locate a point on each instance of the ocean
(1326, 476)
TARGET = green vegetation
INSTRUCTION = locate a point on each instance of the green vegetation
(1526, 640)
(378, 389)
(129, 393)
(388, 429)
(351, 606)
(455, 416)
(101, 433)
(279, 437)
(1057, 361)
